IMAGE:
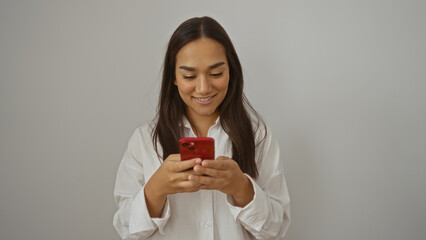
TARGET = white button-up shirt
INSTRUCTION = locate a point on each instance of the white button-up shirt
(205, 214)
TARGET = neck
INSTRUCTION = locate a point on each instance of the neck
(201, 124)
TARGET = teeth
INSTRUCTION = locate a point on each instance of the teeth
(205, 99)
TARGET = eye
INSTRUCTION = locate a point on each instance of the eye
(216, 74)
(188, 77)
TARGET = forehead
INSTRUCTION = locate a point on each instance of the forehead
(201, 53)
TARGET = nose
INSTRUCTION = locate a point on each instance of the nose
(203, 85)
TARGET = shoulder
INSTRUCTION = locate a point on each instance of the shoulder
(261, 131)
(265, 142)
(141, 137)
(144, 130)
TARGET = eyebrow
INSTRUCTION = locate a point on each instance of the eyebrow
(210, 67)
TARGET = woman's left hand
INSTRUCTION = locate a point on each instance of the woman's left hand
(225, 175)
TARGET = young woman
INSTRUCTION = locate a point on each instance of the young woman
(242, 194)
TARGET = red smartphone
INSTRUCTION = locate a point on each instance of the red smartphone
(202, 147)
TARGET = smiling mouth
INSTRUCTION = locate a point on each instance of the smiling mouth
(204, 99)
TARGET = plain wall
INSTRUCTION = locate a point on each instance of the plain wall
(341, 83)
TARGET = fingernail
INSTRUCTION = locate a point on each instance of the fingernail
(198, 161)
(197, 168)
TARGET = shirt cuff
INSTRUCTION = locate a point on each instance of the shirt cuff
(141, 221)
(254, 214)
(161, 222)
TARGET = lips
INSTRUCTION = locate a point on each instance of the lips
(204, 100)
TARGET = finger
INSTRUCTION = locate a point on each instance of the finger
(191, 171)
(189, 186)
(185, 165)
(204, 180)
(184, 176)
(197, 160)
(208, 171)
(221, 164)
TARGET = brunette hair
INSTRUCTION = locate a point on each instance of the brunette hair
(235, 111)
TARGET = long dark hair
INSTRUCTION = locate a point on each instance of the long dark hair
(236, 113)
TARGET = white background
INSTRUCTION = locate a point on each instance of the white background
(341, 83)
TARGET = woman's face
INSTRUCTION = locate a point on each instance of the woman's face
(202, 77)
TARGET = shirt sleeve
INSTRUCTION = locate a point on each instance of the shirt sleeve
(267, 216)
(132, 219)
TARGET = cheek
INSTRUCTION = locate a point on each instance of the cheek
(184, 88)
(223, 84)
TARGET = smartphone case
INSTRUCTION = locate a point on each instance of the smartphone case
(202, 147)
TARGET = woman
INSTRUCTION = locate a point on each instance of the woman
(241, 194)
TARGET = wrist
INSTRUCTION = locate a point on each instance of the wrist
(245, 194)
(154, 193)
(154, 200)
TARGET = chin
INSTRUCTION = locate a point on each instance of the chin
(205, 113)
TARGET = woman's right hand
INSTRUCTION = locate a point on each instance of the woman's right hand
(171, 177)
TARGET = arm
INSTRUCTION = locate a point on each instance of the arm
(154, 200)
(267, 216)
(171, 177)
(261, 206)
(132, 219)
(142, 203)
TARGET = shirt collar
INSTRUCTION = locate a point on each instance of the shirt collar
(186, 123)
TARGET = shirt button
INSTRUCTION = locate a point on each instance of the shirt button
(206, 225)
